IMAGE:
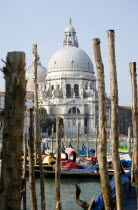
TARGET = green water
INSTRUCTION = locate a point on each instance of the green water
(67, 190)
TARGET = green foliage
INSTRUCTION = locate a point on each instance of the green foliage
(46, 122)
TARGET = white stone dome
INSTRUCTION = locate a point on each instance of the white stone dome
(70, 62)
(41, 75)
(70, 29)
(70, 58)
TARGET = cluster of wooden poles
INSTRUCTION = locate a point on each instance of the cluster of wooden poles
(106, 190)
(13, 178)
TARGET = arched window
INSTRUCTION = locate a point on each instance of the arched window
(52, 87)
(74, 110)
(78, 111)
(68, 90)
(86, 86)
(76, 90)
(85, 122)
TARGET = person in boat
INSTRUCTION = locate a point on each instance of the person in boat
(97, 203)
(49, 160)
(71, 152)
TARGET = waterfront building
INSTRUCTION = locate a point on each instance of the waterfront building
(68, 87)
(125, 119)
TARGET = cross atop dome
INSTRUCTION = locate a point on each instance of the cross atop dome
(70, 21)
(70, 36)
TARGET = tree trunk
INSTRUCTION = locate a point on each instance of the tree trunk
(24, 172)
(52, 138)
(102, 160)
(78, 136)
(135, 121)
(114, 121)
(129, 139)
(33, 200)
(11, 176)
(58, 156)
(37, 131)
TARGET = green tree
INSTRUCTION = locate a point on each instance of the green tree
(46, 122)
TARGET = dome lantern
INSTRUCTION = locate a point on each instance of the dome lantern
(70, 36)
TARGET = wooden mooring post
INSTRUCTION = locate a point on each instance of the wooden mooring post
(11, 176)
(78, 136)
(1, 118)
(96, 140)
(52, 137)
(114, 120)
(59, 122)
(24, 172)
(134, 123)
(102, 160)
(129, 139)
(37, 130)
(87, 142)
(66, 140)
(33, 200)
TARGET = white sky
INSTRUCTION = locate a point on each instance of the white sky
(42, 22)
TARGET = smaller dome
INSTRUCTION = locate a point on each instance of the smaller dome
(41, 75)
(70, 29)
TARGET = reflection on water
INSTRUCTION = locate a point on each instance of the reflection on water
(67, 186)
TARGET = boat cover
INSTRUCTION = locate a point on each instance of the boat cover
(129, 193)
(126, 163)
(69, 164)
(123, 149)
(82, 168)
(84, 152)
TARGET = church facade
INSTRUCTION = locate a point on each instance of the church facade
(68, 87)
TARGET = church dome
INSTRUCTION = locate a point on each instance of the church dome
(70, 58)
(41, 75)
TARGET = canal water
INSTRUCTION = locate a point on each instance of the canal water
(89, 188)
(67, 186)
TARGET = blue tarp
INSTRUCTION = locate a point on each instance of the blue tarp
(126, 163)
(82, 152)
(91, 152)
(82, 168)
(129, 194)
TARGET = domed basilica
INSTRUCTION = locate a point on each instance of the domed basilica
(68, 87)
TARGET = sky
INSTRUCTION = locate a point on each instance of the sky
(28, 22)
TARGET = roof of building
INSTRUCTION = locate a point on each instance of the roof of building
(125, 107)
(41, 73)
(70, 59)
(28, 96)
(2, 93)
